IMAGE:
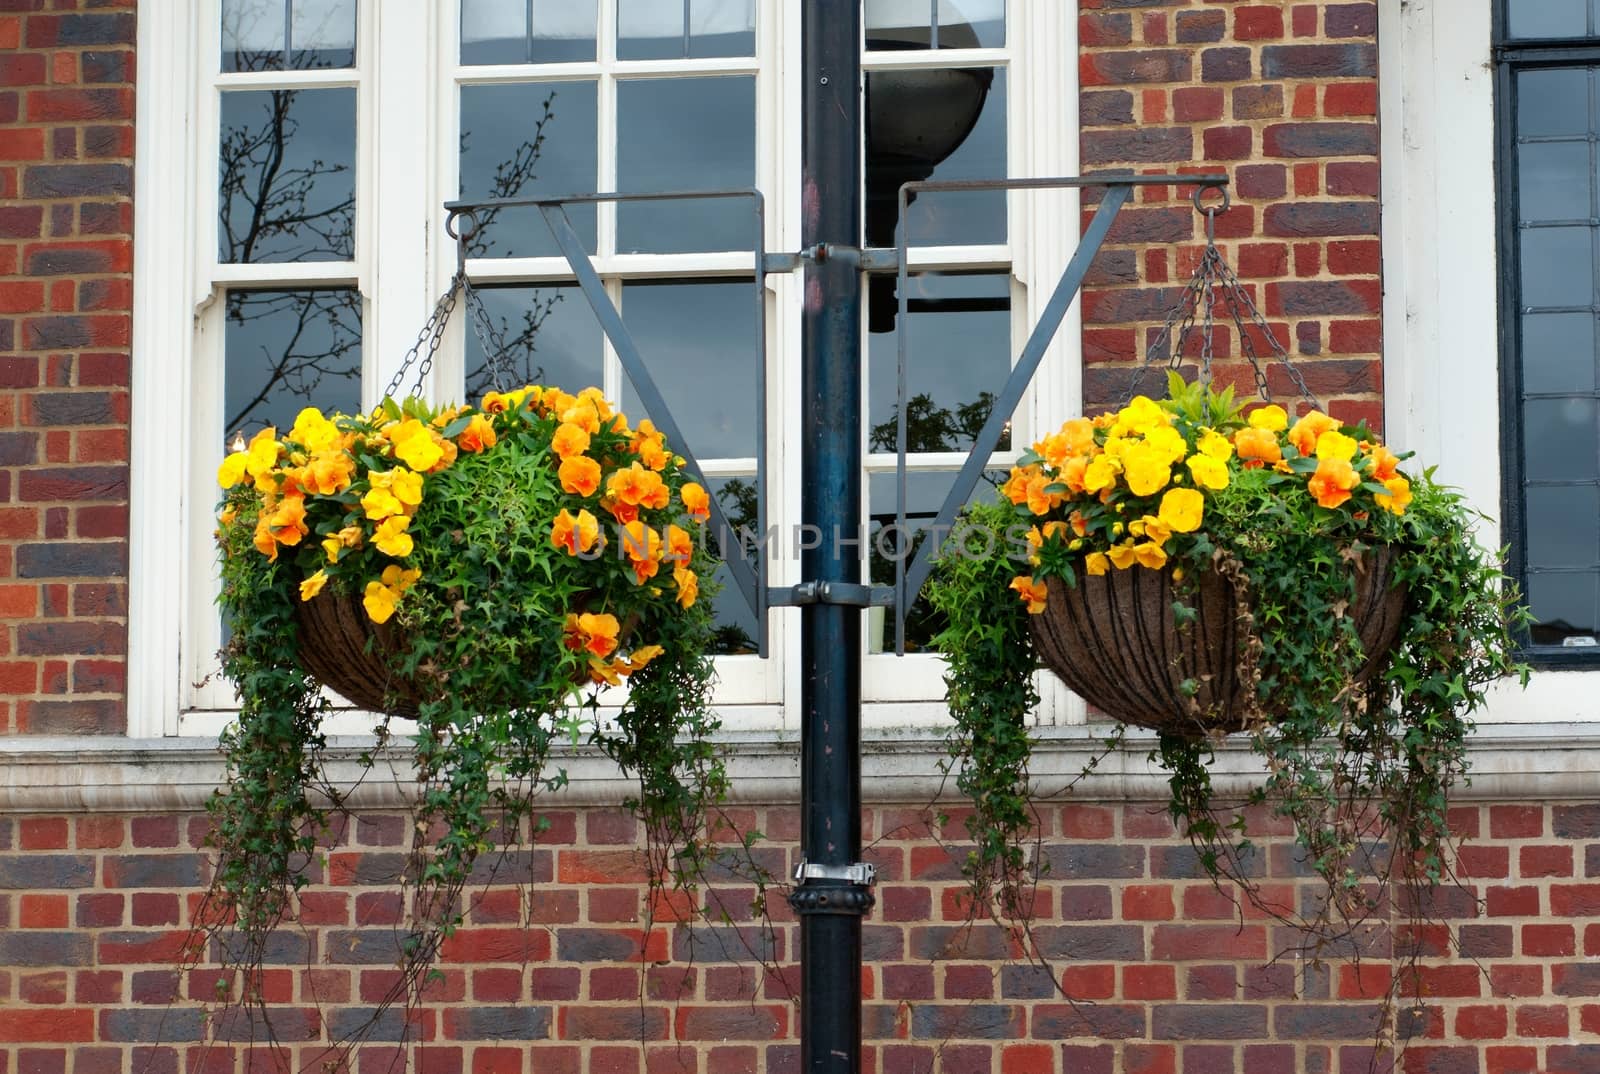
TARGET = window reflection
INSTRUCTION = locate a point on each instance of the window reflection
(527, 31)
(540, 335)
(271, 35)
(1549, 18)
(285, 350)
(736, 625)
(286, 179)
(678, 29)
(923, 24)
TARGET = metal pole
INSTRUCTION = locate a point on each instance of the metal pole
(829, 897)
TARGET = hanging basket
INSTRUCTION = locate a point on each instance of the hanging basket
(1113, 639)
(350, 654)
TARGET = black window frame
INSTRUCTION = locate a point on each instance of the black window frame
(1510, 57)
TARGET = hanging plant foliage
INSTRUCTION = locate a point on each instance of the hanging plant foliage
(1199, 571)
(483, 571)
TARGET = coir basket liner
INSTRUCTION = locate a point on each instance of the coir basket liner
(347, 652)
(1115, 641)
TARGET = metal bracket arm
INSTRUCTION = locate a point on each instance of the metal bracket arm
(863, 873)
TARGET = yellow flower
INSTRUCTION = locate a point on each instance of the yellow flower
(1096, 563)
(232, 471)
(312, 584)
(1305, 432)
(398, 577)
(416, 445)
(1336, 445)
(262, 454)
(1208, 471)
(688, 584)
(379, 601)
(1101, 473)
(576, 535)
(1121, 555)
(1139, 417)
(1181, 510)
(579, 475)
(379, 503)
(1155, 529)
(332, 546)
(1168, 441)
(569, 440)
(1033, 594)
(391, 537)
(313, 431)
(1399, 496)
(1271, 418)
(1150, 555)
(1146, 469)
(1216, 445)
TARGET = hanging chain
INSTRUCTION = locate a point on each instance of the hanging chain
(430, 337)
(1214, 282)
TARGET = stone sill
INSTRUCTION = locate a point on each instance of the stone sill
(1510, 763)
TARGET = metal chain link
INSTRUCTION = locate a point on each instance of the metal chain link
(1214, 282)
(494, 348)
(431, 336)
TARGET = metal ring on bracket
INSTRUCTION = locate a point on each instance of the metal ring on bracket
(465, 233)
(1198, 197)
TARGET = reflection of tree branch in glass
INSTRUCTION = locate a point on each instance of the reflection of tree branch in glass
(930, 427)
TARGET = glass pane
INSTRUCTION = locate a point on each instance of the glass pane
(722, 28)
(545, 335)
(284, 350)
(945, 123)
(1554, 180)
(1564, 606)
(287, 177)
(972, 23)
(958, 355)
(322, 33)
(651, 30)
(1563, 526)
(1553, 102)
(563, 31)
(686, 134)
(252, 35)
(699, 343)
(498, 31)
(1558, 352)
(925, 493)
(898, 24)
(1560, 439)
(1557, 267)
(1546, 18)
(524, 139)
(736, 624)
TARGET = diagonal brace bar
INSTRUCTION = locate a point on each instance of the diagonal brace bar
(555, 215)
(1010, 396)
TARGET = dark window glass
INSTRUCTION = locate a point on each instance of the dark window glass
(523, 139)
(686, 134)
(285, 350)
(940, 124)
(694, 336)
(543, 335)
(527, 31)
(958, 352)
(1550, 18)
(286, 175)
(675, 29)
(923, 24)
(736, 624)
(271, 35)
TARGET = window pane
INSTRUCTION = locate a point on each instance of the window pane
(1546, 18)
(1560, 439)
(958, 356)
(252, 35)
(1557, 267)
(737, 629)
(498, 31)
(1554, 102)
(699, 344)
(1558, 352)
(287, 176)
(1561, 526)
(651, 30)
(524, 139)
(686, 134)
(722, 28)
(946, 123)
(322, 33)
(1564, 606)
(898, 24)
(1555, 180)
(545, 335)
(972, 23)
(285, 350)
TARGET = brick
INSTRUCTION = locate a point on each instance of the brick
(45, 948)
(61, 1025)
(71, 638)
(977, 1021)
(1427, 1059)
(1350, 99)
(1082, 861)
(1147, 902)
(1573, 1059)
(1261, 180)
(1549, 941)
(1108, 1021)
(1225, 65)
(1323, 298)
(22, 69)
(1106, 108)
(1180, 943)
(1144, 145)
(1199, 27)
(1575, 979)
(1319, 61)
(79, 258)
(1257, 102)
(1351, 20)
(1486, 941)
(1227, 143)
(42, 871)
(1541, 861)
(105, 66)
(1149, 982)
(64, 332)
(612, 1023)
(78, 180)
(1088, 943)
(1516, 822)
(1481, 1023)
(1257, 23)
(497, 1023)
(19, 222)
(1541, 1021)
(1194, 104)
(1097, 29)
(1209, 1021)
(1138, 65)
(1576, 822)
(1575, 900)
(1506, 981)
(1316, 1021)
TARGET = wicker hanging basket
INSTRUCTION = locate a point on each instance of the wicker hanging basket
(1113, 639)
(349, 654)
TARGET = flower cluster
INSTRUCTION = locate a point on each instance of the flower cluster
(340, 498)
(1131, 488)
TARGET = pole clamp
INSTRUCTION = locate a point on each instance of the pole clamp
(862, 873)
(852, 594)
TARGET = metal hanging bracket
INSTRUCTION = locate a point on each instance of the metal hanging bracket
(862, 872)
(850, 594)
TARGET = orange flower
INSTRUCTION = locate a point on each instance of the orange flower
(1016, 487)
(595, 633)
(1332, 482)
(1072, 472)
(329, 472)
(575, 534)
(579, 475)
(1384, 463)
(642, 546)
(1033, 594)
(688, 585)
(680, 546)
(570, 440)
(1399, 496)
(1040, 502)
(1256, 446)
(287, 521)
(638, 487)
(696, 501)
(1304, 433)
(479, 435)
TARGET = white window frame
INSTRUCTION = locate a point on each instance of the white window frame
(1441, 295)
(178, 320)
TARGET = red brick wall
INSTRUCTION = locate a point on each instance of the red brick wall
(66, 286)
(1283, 97)
(1166, 976)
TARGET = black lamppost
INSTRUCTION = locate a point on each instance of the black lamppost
(917, 119)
